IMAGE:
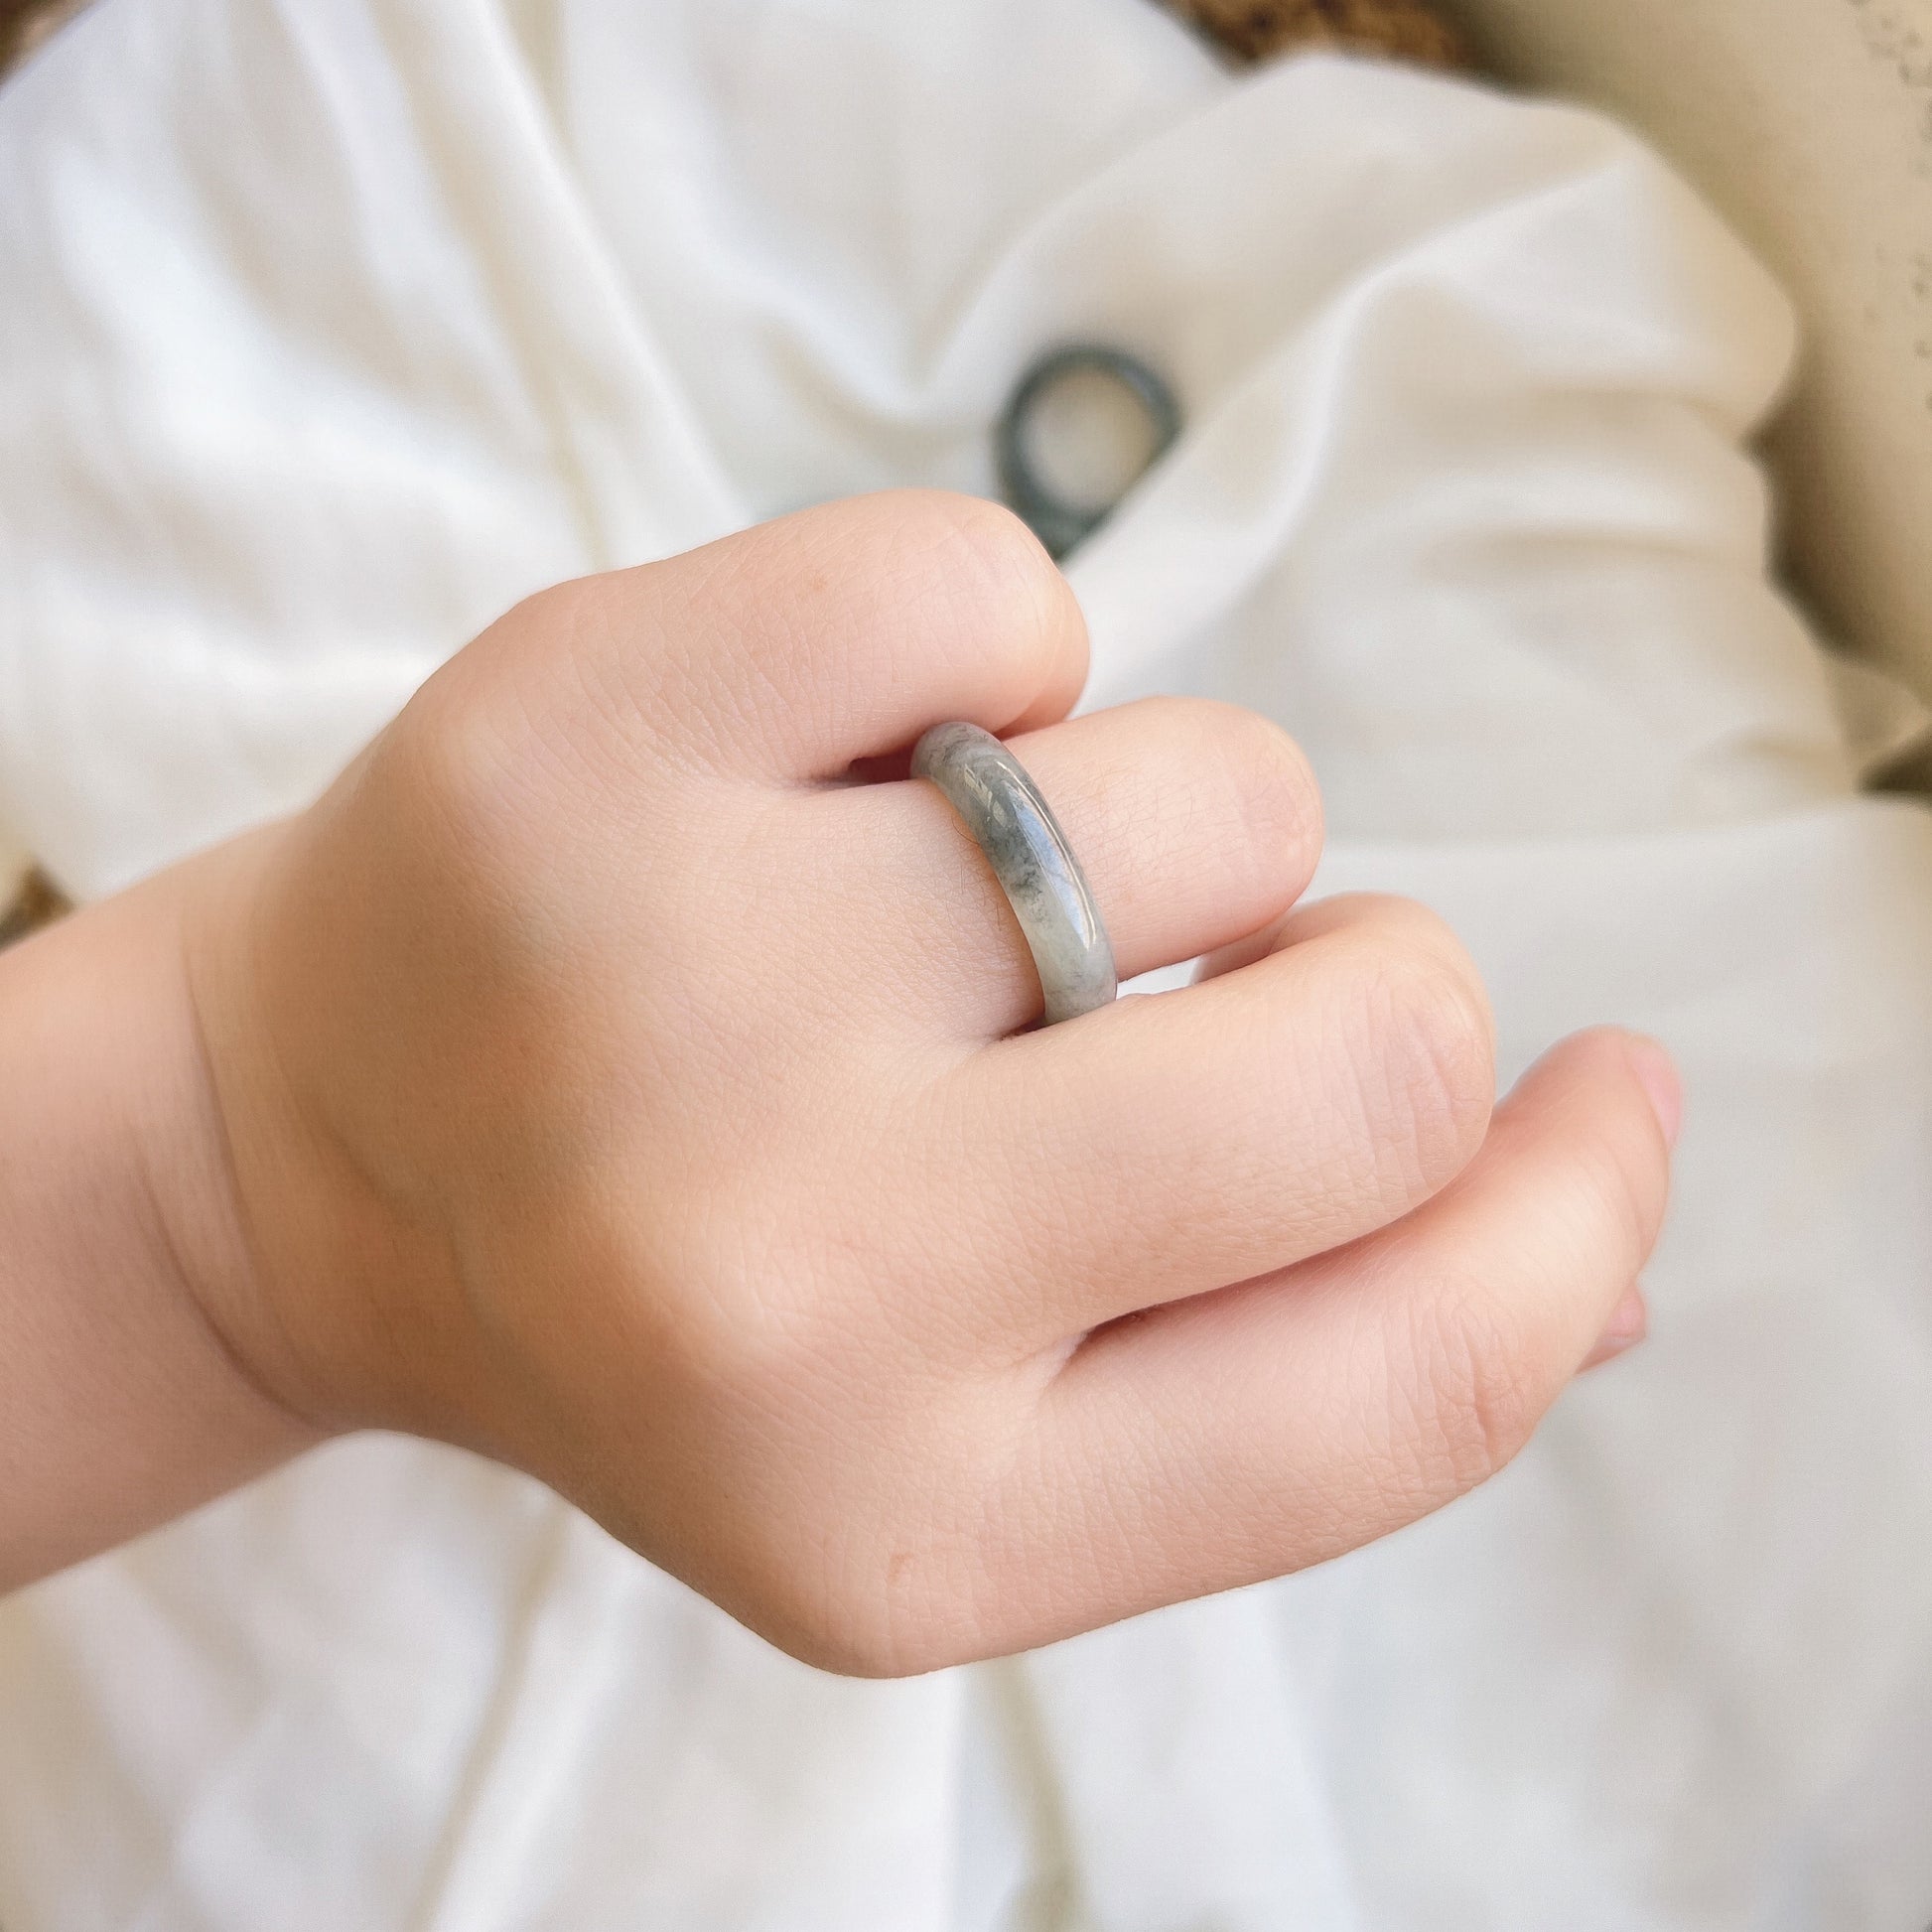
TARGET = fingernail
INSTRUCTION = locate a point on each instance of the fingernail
(1661, 1081)
(1625, 1329)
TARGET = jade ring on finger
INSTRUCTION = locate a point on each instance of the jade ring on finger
(1011, 824)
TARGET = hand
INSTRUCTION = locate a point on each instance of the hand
(619, 1086)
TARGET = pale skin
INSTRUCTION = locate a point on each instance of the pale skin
(607, 1077)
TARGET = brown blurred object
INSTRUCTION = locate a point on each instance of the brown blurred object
(25, 24)
(1250, 30)
(1258, 30)
(39, 902)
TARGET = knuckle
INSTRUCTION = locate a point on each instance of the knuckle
(1269, 811)
(884, 1632)
(984, 535)
(454, 757)
(944, 573)
(477, 744)
(1476, 1393)
(1429, 1035)
(559, 609)
(917, 1623)
(891, 1585)
(1606, 1196)
(1623, 1181)
(992, 564)
(980, 549)
(831, 1607)
(746, 1322)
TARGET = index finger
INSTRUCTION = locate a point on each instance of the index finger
(836, 633)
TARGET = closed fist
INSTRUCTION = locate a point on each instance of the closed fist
(629, 1074)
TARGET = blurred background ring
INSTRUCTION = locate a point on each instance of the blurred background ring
(1083, 425)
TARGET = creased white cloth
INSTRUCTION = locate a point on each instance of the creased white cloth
(330, 327)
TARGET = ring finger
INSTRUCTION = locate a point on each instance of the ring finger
(1196, 823)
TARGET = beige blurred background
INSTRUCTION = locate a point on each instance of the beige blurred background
(1809, 122)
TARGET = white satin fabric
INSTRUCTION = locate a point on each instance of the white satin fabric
(330, 327)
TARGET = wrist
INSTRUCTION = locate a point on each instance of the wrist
(122, 1403)
(327, 1271)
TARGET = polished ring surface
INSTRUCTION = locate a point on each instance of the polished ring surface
(1013, 825)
